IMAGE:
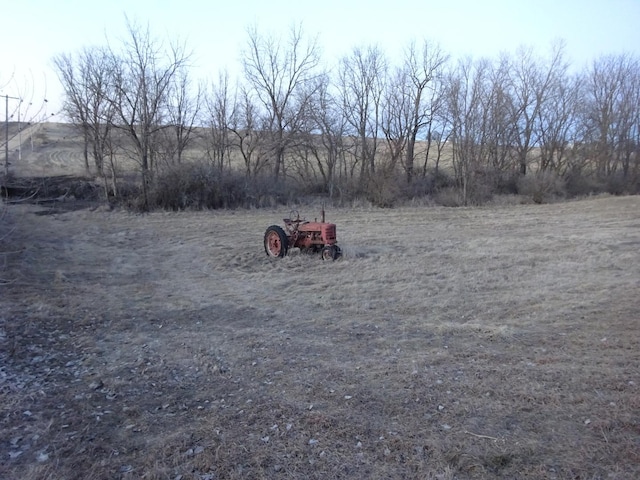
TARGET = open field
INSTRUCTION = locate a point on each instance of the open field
(499, 342)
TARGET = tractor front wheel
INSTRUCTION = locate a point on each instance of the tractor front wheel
(330, 252)
(276, 242)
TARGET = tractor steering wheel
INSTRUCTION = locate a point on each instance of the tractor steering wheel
(294, 216)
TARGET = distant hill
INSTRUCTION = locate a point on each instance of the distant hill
(44, 149)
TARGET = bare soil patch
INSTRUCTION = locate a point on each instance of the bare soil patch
(446, 343)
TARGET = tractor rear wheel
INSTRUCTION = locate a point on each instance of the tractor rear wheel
(330, 252)
(276, 242)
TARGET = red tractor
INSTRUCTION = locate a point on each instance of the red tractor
(307, 236)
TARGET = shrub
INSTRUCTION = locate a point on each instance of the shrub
(542, 187)
(195, 186)
(429, 184)
(419, 187)
(506, 183)
(382, 188)
(441, 179)
(449, 197)
(618, 184)
(578, 184)
(203, 186)
(480, 190)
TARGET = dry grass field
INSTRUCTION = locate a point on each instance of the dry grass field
(498, 342)
(467, 343)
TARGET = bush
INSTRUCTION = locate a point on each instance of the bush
(542, 187)
(190, 186)
(618, 184)
(480, 190)
(429, 184)
(203, 186)
(506, 183)
(449, 197)
(387, 188)
(578, 185)
(382, 188)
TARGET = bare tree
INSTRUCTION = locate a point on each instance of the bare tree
(500, 123)
(468, 98)
(249, 129)
(611, 113)
(331, 126)
(278, 72)
(396, 112)
(222, 111)
(76, 103)
(424, 69)
(143, 80)
(557, 123)
(88, 83)
(630, 125)
(362, 76)
(531, 79)
(438, 135)
(319, 145)
(184, 104)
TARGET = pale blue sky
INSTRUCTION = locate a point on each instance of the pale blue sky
(33, 31)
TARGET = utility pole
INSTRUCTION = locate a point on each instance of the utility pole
(6, 133)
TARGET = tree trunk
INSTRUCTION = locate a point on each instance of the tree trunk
(85, 151)
(409, 157)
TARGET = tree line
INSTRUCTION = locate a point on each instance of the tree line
(368, 126)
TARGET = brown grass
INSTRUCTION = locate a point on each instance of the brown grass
(499, 342)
